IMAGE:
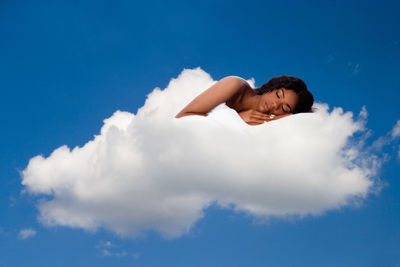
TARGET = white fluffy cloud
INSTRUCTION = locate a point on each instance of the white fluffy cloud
(150, 171)
(26, 233)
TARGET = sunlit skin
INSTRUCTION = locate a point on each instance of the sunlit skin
(237, 94)
(278, 102)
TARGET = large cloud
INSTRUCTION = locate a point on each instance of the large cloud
(150, 171)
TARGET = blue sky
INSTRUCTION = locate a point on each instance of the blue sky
(68, 65)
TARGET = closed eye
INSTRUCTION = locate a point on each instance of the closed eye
(288, 109)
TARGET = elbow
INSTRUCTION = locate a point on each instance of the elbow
(181, 113)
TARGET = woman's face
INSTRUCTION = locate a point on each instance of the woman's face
(278, 102)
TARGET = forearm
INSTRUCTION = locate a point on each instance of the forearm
(181, 114)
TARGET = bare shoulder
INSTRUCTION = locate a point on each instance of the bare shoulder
(235, 101)
(237, 81)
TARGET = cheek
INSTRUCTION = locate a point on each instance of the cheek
(295, 102)
(294, 99)
(268, 96)
(279, 112)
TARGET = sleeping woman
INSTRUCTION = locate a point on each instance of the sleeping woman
(279, 97)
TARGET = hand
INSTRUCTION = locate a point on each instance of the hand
(254, 117)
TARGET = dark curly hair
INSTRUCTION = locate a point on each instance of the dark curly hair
(306, 99)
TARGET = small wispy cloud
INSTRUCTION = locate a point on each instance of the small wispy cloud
(354, 67)
(12, 201)
(26, 233)
(395, 130)
(331, 58)
(136, 255)
(398, 152)
(388, 138)
(109, 249)
(395, 133)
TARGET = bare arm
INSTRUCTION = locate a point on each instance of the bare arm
(219, 93)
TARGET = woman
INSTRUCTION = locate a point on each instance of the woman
(279, 97)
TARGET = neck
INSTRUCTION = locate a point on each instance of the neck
(252, 102)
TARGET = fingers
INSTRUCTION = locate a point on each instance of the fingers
(253, 117)
(255, 121)
(258, 115)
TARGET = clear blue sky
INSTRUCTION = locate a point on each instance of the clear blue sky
(67, 65)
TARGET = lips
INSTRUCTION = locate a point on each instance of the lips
(266, 107)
